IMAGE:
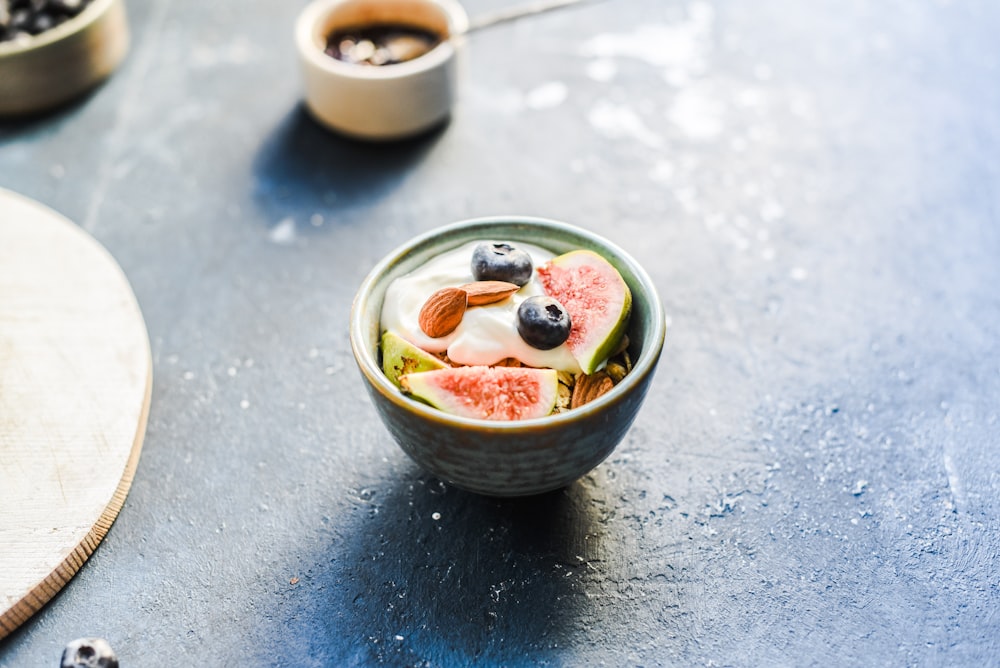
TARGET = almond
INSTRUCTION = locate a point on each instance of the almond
(590, 387)
(442, 312)
(488, 292)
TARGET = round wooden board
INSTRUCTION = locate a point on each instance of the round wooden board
(75, 381)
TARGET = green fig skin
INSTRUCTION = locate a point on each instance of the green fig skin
(400, 357)
(594, 341)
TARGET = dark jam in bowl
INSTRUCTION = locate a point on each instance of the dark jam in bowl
(382, 44)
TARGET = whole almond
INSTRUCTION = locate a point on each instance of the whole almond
(442, 312)
(488, 292)
(590, 387)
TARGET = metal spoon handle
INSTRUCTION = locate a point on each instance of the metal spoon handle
(513, 13)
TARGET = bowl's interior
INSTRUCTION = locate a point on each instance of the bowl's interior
(355, 13)
(646, 327)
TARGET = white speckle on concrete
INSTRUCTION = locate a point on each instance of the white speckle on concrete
(687, 197)
(750, 98)
(547, 96)
(662, 172)
(240, 51)
(762, 72)
(954, 483)
(798, 274)
(602, 69)
(679, 48)
(698, 116)
(57, 171)
(772, 211)
(231, 371)
(507, 101)
(800, 106)
(619, 122)
(435, 516)
(244, 404)
(316, 220)
(283, 233)
(189, 375)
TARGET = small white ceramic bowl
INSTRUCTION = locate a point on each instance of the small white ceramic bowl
(380, 102)
(57, 65)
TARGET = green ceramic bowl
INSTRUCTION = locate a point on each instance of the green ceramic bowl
(508, 458)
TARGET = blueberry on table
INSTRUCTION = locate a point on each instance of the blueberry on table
(543, 323)
(89, 653)
(492, 261)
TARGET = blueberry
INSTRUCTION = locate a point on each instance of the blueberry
(42, 23)
(492, 261)
(543, 322)
(89, 653)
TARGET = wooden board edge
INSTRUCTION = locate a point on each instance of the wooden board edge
(49, 586)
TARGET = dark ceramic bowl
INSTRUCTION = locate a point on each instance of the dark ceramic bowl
(508, 458)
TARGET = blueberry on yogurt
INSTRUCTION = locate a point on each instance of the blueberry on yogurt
(543, 322)
(495, 261)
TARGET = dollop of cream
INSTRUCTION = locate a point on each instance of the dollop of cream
(487, 334)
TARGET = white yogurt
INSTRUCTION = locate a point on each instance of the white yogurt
(487, 334)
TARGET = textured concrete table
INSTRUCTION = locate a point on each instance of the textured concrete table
(814, 478)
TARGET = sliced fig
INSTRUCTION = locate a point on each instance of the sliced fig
(487, 393)
(598, 302)
(400, 357)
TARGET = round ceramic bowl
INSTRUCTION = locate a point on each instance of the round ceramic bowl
(380, 102)
(508, 458)
(55, 66)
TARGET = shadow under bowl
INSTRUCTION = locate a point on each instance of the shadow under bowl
(508, 458)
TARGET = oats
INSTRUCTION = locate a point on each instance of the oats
(563, 397)
(616, 371)
(622, 346)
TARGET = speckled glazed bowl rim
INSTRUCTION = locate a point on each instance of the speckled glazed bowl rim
(90, 13)
(453, 235)
(308, 33)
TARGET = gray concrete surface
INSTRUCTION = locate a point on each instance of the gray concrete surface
(814, 477)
